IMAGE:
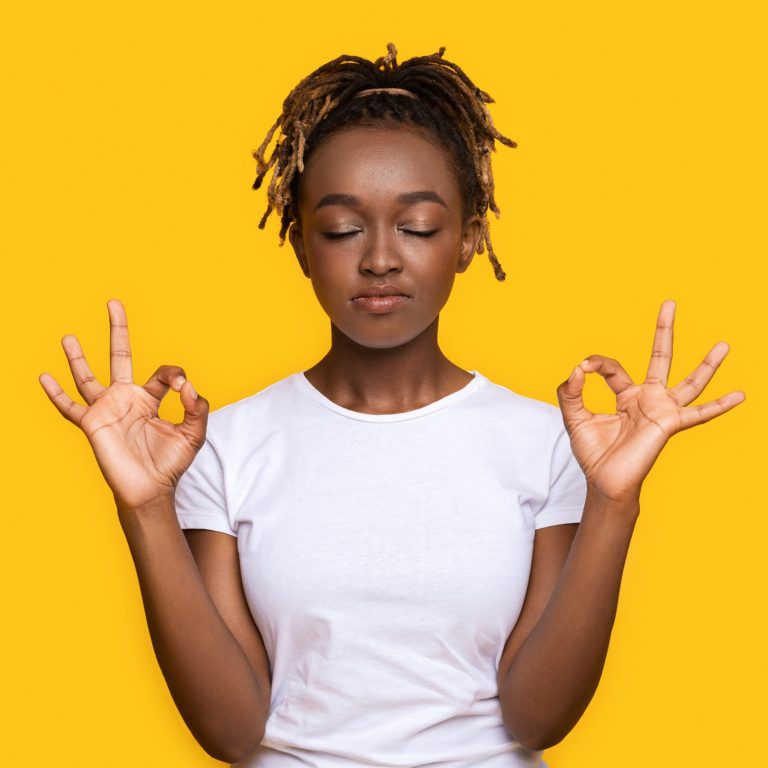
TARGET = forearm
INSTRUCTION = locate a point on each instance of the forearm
(555, 672)
(217, 692)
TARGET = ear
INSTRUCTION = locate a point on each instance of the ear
(470, 241)
(296, 238)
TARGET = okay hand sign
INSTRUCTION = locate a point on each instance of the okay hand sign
(616, 451)
(140, 455)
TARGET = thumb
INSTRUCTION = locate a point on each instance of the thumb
(570, 395)
(195, 419)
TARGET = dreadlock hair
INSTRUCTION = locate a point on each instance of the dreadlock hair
(438, 97)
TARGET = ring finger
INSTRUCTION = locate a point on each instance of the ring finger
(87, 384)
(692, 386)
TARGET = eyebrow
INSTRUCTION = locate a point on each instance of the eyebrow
(422, 196)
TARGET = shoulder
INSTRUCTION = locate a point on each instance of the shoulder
(508, 406)
(271, 403)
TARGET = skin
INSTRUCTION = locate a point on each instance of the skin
(383, 363)
(205, 639)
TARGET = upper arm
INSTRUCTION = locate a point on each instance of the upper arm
(551, 546)
(219, 564)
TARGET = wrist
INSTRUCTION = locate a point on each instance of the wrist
(627, 506)
(150, 528)
(158, 505)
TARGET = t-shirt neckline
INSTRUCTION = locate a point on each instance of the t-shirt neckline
(474, 384)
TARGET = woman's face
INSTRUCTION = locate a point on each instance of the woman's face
(380, 207)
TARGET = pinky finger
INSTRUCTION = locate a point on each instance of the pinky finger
(699, 414)
(66, 406)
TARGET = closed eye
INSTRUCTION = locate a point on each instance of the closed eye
(420, 232)
(340, 235)
(410, 232)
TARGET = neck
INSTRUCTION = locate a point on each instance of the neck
(388, 380)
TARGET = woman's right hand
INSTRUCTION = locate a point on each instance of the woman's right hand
(140, 455)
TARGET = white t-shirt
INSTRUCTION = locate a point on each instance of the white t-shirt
(385, 559)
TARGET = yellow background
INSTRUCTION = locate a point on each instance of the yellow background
(639, 176)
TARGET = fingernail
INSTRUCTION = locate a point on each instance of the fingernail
(584, 362)
(192, 391)
(179, 381)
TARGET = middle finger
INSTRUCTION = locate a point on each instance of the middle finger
(120, 364)
(661, 355)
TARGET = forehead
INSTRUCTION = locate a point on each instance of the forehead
(378, 161)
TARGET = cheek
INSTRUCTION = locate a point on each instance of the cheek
(443, 287)
(329, 275)
(437, 267)
(327, 287)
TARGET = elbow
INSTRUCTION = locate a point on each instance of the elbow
(539, 743)
(243, 750)
(532, 737)
(235, 753)
(233, 747)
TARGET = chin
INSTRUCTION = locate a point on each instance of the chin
(389, 342)
(382, 340)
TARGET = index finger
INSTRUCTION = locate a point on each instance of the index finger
(661, 354)
(120, 364)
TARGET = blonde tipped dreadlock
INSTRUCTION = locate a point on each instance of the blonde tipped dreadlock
(439, 97)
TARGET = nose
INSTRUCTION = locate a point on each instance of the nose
(381, 254)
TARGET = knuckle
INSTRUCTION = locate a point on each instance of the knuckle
(164, 372)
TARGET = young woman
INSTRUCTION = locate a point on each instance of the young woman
(384, 559)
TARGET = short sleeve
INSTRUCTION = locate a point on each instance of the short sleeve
(567, 487)
(200, 493)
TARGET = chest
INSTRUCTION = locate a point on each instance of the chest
(375, 531)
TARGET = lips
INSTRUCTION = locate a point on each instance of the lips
(381, 304)
(380, 290)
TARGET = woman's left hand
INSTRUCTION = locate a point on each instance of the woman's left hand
(616, 451)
